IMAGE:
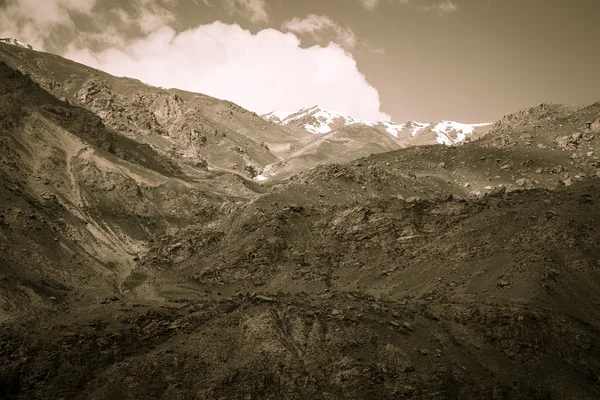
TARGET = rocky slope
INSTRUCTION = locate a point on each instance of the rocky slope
(82, 200)
(379, 298)
(130, 269)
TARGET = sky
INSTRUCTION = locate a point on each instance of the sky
(425, 60)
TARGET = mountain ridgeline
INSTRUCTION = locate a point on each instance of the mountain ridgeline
(156, 243)
(318, 120)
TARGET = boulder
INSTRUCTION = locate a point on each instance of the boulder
(567, 182)
(497, 192)
(594, 125)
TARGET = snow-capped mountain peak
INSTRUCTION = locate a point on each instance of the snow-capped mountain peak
(318, 120)
(314, 119)
(16, 42)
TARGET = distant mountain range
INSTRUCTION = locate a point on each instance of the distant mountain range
(318, 120)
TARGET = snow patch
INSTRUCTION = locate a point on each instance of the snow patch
(393, 128)
(321, 120)
(443, 129)
(418, 126)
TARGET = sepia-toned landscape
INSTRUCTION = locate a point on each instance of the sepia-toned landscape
(159, 243)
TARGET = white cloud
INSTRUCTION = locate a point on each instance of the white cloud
(34, 20)
(447, 6)
(443, 7)
(254, 10)
(151, 17)
(262, 72)
(369, 4)
(320, 27)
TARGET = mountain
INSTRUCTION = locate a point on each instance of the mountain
(318, 120)
(342, 145)
(137, 263)
(81, 201)
(204, 132)
(16, 42)
(339, 138)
